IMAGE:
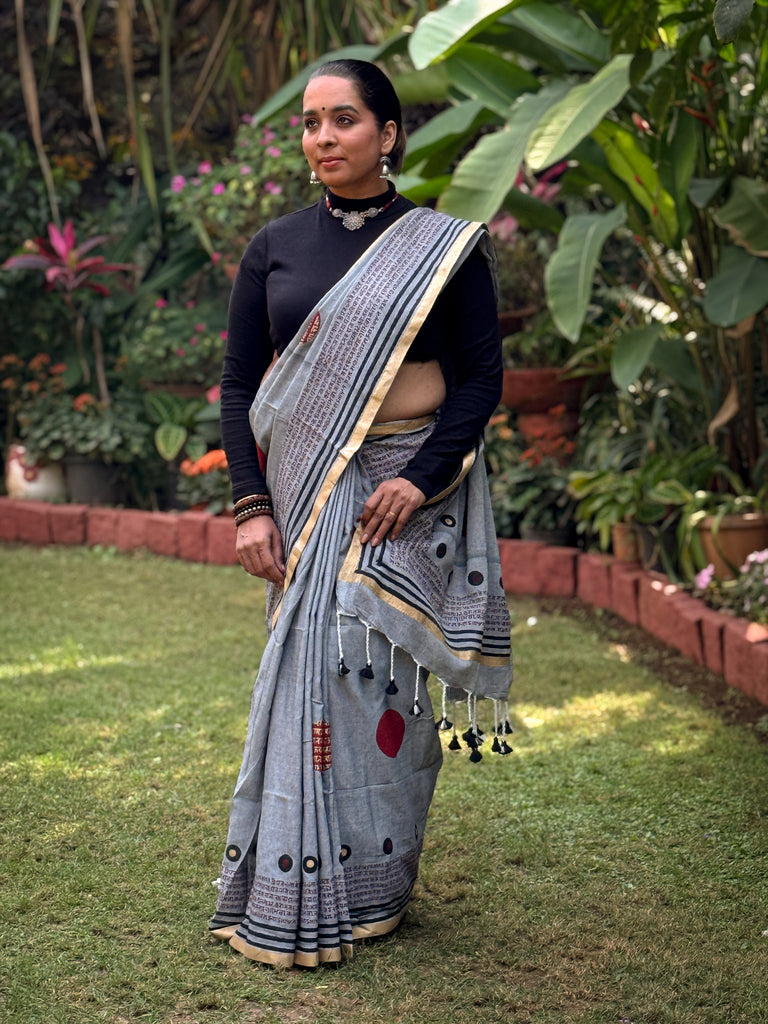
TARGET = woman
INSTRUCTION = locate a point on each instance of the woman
(363, 345)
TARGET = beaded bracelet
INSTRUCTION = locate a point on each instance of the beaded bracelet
(252, 498)
(250, 513)
(251, 506)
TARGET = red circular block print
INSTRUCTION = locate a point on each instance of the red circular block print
(390, 732)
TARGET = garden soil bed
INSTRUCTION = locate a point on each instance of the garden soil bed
(733, 706)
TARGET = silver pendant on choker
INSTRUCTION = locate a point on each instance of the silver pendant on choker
(354, 219)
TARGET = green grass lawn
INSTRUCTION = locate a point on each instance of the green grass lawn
(615, 866)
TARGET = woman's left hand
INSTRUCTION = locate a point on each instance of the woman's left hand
(388, 509)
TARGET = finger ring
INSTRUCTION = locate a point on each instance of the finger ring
(394, 516)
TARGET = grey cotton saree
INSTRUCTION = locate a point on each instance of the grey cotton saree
(342, 753)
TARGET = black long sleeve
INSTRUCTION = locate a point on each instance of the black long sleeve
(287, 268)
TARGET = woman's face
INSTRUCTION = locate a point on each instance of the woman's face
(342, 142)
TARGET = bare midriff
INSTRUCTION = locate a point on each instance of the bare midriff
(418, 389)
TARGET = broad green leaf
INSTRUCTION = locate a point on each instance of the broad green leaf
(739, 290)
(420, 190)
(532, 212)
(672, 358)
(632, 352)
(488, 172)
(162, 406)
(490, 78)
(569, 121)
(678, 162)
(629, 163)
(441, 32)
(169, 440)
(416, 88)
(730, 17)
(563, 31)
(441, 130)
(702, 191)
(745, 215)
(570, 272)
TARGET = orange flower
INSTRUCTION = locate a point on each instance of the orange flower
(187, 467)
(500, 417)
(83, 401)
(39, 361)
(214, 459)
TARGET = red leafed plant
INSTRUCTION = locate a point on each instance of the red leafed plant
(67, 267)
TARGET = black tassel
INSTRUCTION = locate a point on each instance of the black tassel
(475, 756)
(472, 740)
(444, 725)
(392, 688)
(508, 730)
(454, 744)
(367, 672)
(417, 709)
(466, 735)
(505, 748)
(343, 670)
(496, 746)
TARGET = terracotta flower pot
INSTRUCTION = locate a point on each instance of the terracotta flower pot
(736, 537)
(624, 543)
(537, 390)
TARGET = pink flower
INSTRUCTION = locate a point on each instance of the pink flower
(215, 258)
(180, 352)
(199, 327)
(161, 303)
(273, 151)
(245, 169)
(704, 578)
(294, 121)
(223, 335)
(246, 119)
(205, 167)
(190, 304)
(178, 181)
(219, 188)
(266, 136)
(194, 181)
(272, 188)
(213, 394)
(193, 340)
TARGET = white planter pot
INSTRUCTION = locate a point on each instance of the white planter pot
(39, 482)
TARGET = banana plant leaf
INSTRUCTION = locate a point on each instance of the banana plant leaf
(571, 270)
(739, 290)
(745, 215)
(488, 172)
(441, 32)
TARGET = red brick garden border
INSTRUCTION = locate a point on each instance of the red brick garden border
(729, 646)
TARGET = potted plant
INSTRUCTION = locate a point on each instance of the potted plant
(745, 593)
(721, 530)
(93, 440)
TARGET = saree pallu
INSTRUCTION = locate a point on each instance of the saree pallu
(341, 755)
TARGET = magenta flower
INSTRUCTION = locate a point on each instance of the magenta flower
(294, 121)
(246, 119)
(267, 135)
(161, 303)
(180, 352)
(213, 394)
(272, 188)
(219, 188)
(704, 578)
(223, 335)
(245, 169)
(178, 181)
(205, 167)
(216, 258)
(193, 340)
(273, 151)
(199, 328)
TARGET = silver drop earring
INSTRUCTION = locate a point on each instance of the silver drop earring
(386, 168)
(314, 180)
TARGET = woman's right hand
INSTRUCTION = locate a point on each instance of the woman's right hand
(260, 549)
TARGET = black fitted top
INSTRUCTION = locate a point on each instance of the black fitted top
(287, 268)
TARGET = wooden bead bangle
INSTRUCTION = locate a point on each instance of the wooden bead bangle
(250, 512)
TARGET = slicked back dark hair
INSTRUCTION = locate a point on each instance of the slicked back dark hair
(376, 91)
